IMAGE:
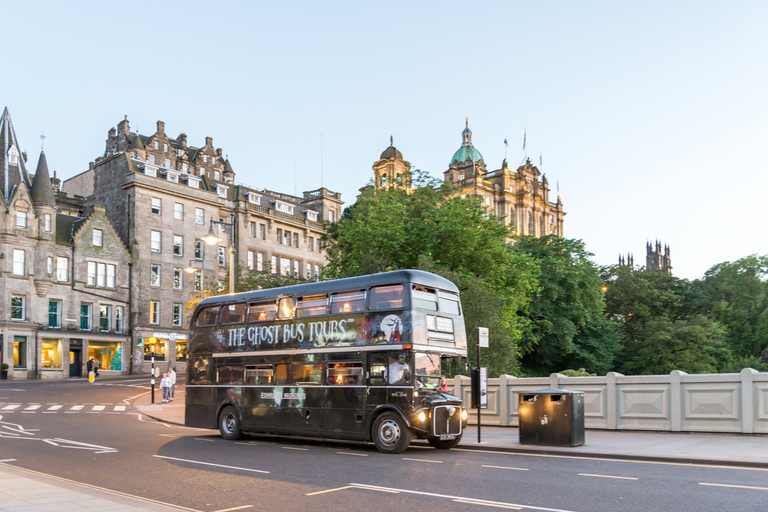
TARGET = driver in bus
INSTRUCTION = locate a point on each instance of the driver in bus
(398, 371)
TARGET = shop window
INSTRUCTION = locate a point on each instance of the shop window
(19, 351)
(51, 353)
(181, 351)
(158, 350)
(108, 354)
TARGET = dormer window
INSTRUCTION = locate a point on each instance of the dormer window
(284, 207)
(253, 198)
(193, 182)
(150, 171)
(221, 190)
(172, 176)
(311, 215)
(13, 155)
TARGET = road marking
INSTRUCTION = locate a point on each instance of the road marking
(424, 460)
(294, 448)
(11, 407)
(353, 453)
(736, 486)
(119, 408)
(98, 408)
(467, 500)
(33, 407)
(55, 407)
(76, 407)
(488, 504)
(202, 439)
(211, 464)
(351, 487)
(8, 460)
(504, 467)
(169, 435)
(609, 476)
(233, 508)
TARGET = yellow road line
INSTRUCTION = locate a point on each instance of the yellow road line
(736, 486)
(609, 476)
(487, 504)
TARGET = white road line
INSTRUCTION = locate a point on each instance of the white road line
(233, 508)
(211, 464)
(294, 448)
(489, 504)
(466, 500)
(98, 407)
(11, 407)
(33, 407)
(8, 460)
(609, 476)
(736, 486)
(504, 467)
(119, 408)
(424, 460)
(76, 407)
(55, 407)
(353, 453)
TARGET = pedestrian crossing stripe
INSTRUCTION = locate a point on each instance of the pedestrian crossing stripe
(55, 408)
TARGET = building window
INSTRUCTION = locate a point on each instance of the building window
(296, 268)
(62, 269)
(262, 232)
(311, 215)
(198, 281)
(111, 276)
(178, 245)
(156, 145)
(205, 159)
(155, 243)
(154, 312)
(295, 239)
(222, 257)
(105, 318)
(168, 163)
(178, 211)
(21, 220)
(280, 236)
(285, 266)
(331, 217)
(177, 279)
(54, 314)
(18, 307)
(101, 274)
(119, 319)
(311, 243)
(177, 314)
(287, 238)
(309, 271)
(147, 169)
(284, 207)
(157, 205)
(185, 168)
(49, 265)
(250, 260)
(98, 238)
(50, 353)
(317, 271)
(199, 248)
(47, 221)
(19, 262)
(260, 262)
(154, 275)
(19, 351)
(165, 148)
(85, 317)
(252, 227)
(199, 216)
(201, 171)
(216, 175)
(273, 266)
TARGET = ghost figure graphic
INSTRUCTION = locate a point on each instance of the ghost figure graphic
(392, 327)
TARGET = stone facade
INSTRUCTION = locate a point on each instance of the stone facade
(163, 196)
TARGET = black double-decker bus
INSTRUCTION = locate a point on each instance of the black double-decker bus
(355, 358)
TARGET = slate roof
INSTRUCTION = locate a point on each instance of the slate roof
(10, 174)
(42, 191)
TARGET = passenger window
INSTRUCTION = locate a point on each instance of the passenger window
(449, 304)
(207, 316)
(424, 298)
(229, 374)
(378, 370)
(281, 373)
(262, 312)
(307, 374)
(313, 305)
(348, 302)
(233, 313)
(387, 297)
(345, 374)
(258, 375)
(286, 307)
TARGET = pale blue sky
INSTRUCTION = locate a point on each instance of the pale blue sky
(652, 116)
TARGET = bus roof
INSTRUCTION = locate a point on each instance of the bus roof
(349, 283)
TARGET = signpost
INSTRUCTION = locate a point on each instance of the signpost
(152, 342)
(482, 376)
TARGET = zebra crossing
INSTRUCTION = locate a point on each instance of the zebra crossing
(53, 408)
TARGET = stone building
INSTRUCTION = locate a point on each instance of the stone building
(64, 277)
(655, 259)
(521, 197)
(163, 196)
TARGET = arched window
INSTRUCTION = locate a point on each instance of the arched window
(531, 226)
(383, 180)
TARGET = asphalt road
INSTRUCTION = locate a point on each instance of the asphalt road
(89, 433)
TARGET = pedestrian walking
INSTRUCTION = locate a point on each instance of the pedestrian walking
(165, 385)
(96, 366)
(172, 378)
(89, 366)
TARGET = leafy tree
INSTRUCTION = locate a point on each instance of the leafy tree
(567, 321)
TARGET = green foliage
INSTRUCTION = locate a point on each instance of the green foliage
(581, 372)
(566, 315)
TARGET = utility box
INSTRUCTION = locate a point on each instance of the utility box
(553, 417)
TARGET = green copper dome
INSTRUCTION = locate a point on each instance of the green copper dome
(465, 153)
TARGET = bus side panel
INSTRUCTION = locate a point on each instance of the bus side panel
(201, 407)
(344, 413)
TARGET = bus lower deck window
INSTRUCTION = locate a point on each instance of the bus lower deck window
(345, 374)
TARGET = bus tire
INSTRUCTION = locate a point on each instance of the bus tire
(444, 445)
(390, 433)
(229, 424)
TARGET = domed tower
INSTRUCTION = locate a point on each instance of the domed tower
(467, 162)
(391, 170)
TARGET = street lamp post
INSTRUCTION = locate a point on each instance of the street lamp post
(212, 239)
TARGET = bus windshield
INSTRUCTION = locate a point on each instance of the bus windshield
(427, 369)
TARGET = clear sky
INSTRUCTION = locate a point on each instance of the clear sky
(651, 116)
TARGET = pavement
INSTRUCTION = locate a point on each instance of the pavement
(24, 490)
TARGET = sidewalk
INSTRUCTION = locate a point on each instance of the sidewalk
(684, 448)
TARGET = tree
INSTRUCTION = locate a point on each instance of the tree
(568, 327)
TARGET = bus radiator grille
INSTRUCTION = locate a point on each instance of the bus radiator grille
(445, 423)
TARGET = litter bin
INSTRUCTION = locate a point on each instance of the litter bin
(553, 417)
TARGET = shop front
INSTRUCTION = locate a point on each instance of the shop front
(167, 348)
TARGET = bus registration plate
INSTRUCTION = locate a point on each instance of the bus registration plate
(446, 437)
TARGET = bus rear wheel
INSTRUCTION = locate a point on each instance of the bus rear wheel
(229, 424)
(390, 433)
(446, 444)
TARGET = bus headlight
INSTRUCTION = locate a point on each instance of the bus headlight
(464, 415)
(422, 416)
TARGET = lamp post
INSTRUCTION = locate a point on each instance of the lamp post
(212, 239)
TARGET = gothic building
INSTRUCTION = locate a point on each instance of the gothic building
(163, 196)
(519, 197)
(655, 259)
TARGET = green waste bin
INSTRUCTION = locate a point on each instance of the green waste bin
(553, 417)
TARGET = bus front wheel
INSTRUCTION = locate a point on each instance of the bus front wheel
(390, 433)
(229, 424)
(446, 444)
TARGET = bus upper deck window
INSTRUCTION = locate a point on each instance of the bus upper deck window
(348, 302)
(424, 298)
(387, 297)
(207, 316)
(312, 305)
(286, 307)
(262, 312)
(233, 313)
(449, 303)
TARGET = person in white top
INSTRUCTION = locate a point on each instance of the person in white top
(165, 385)
(172, 377)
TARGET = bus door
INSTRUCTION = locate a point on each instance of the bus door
(345, 397)
(377, 380)
(400, 379)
